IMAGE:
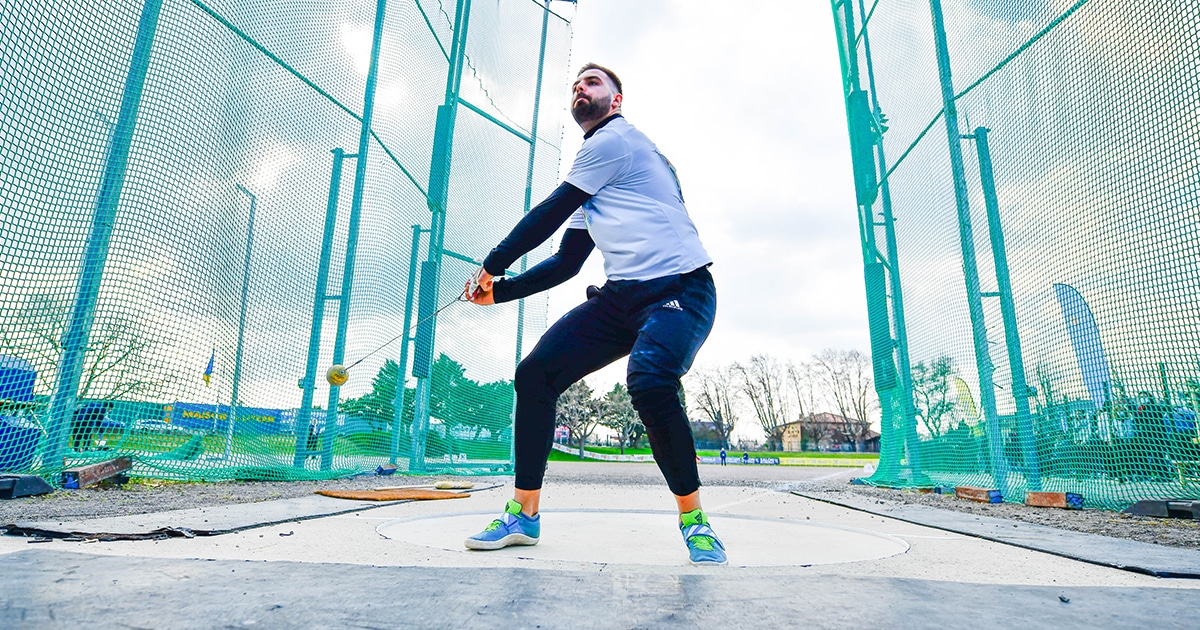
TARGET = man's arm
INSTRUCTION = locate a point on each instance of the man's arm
(562, 266)
(536, 227)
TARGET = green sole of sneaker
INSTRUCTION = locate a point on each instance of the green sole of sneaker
(508, 541)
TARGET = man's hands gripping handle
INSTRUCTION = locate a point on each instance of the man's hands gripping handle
(479, 288)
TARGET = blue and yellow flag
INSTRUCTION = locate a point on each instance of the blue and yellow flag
(208, 370)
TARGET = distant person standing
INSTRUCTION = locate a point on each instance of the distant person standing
(623, 198)
(722, 455)
(745, 458)
(87, 422)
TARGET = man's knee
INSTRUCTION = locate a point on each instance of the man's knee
(535, 380)
(656, 401)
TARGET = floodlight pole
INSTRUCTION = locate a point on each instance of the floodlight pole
(237, 357)
(79, 328)
(983, 361)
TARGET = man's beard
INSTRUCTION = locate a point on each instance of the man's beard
(590, 109)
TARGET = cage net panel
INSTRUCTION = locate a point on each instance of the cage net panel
(178, 328)
(1076, 121)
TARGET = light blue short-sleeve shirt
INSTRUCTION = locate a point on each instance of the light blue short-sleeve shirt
(636, 214)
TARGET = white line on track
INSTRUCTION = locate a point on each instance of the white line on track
(754, 497)
(832, 475)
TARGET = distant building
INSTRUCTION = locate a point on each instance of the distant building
(829, 432)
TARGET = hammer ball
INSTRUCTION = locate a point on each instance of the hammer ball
(337, 375)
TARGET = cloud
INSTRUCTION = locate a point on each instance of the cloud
(356, 42)
(750, 112)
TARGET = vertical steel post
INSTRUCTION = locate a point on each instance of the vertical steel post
(1008, 311)
(891, 450)
(360, 174)
(398, 400)
(234, 403)
(439, 184)
(79, 328)
(983, 361)
(308, 385)
(900, 330)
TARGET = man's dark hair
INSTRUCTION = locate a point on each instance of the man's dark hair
(611, 75)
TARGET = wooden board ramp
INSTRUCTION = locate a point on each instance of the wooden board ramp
(981, 495)
(1066, 500)
(84, 476)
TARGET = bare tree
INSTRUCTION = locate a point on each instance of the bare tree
(762, 381)
(617, 413)
(806, 386)
(114, 365)
(715, 392)
(579, 412)
(846, 375)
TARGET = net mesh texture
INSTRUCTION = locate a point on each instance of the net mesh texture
(183, 212)
(1028, 188)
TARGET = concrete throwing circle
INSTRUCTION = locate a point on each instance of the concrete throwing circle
(650, 537)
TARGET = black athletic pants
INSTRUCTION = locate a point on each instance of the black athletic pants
(660, 324)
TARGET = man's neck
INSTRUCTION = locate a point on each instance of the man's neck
(592, 126)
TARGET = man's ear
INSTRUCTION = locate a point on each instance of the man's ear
(617, 99)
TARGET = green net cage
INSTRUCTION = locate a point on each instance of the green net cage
(206, 204)
(1028, 182)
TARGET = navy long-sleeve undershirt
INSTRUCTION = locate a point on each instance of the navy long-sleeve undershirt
(555, 270)
(533, 230)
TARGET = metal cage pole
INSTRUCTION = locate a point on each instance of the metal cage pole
(983, 361)
(1008, 311)
(862, 141)
(398, 399)
(308, 384)
(908, 415)
(234, 403)
(533, 136)
(360, 174)
(108, 196)
(431, 269)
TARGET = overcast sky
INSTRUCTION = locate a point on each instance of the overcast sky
(747, 104)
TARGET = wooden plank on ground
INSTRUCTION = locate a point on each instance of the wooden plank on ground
(1066, 500)
(982, 495)
(84, 476)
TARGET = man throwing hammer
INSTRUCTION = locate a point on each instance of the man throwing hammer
(657, 307)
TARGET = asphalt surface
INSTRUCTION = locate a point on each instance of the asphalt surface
(610, 557)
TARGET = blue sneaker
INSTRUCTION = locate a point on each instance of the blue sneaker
(512, 528)
(703, 545)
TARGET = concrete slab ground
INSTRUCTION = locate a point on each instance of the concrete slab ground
(610, 557)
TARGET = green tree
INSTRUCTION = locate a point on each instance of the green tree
(931, 393)
(377, 407)
(618, 414)
(460, 401)
(579, 412)
(453, 398)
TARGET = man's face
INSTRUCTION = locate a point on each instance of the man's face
(592, 97)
